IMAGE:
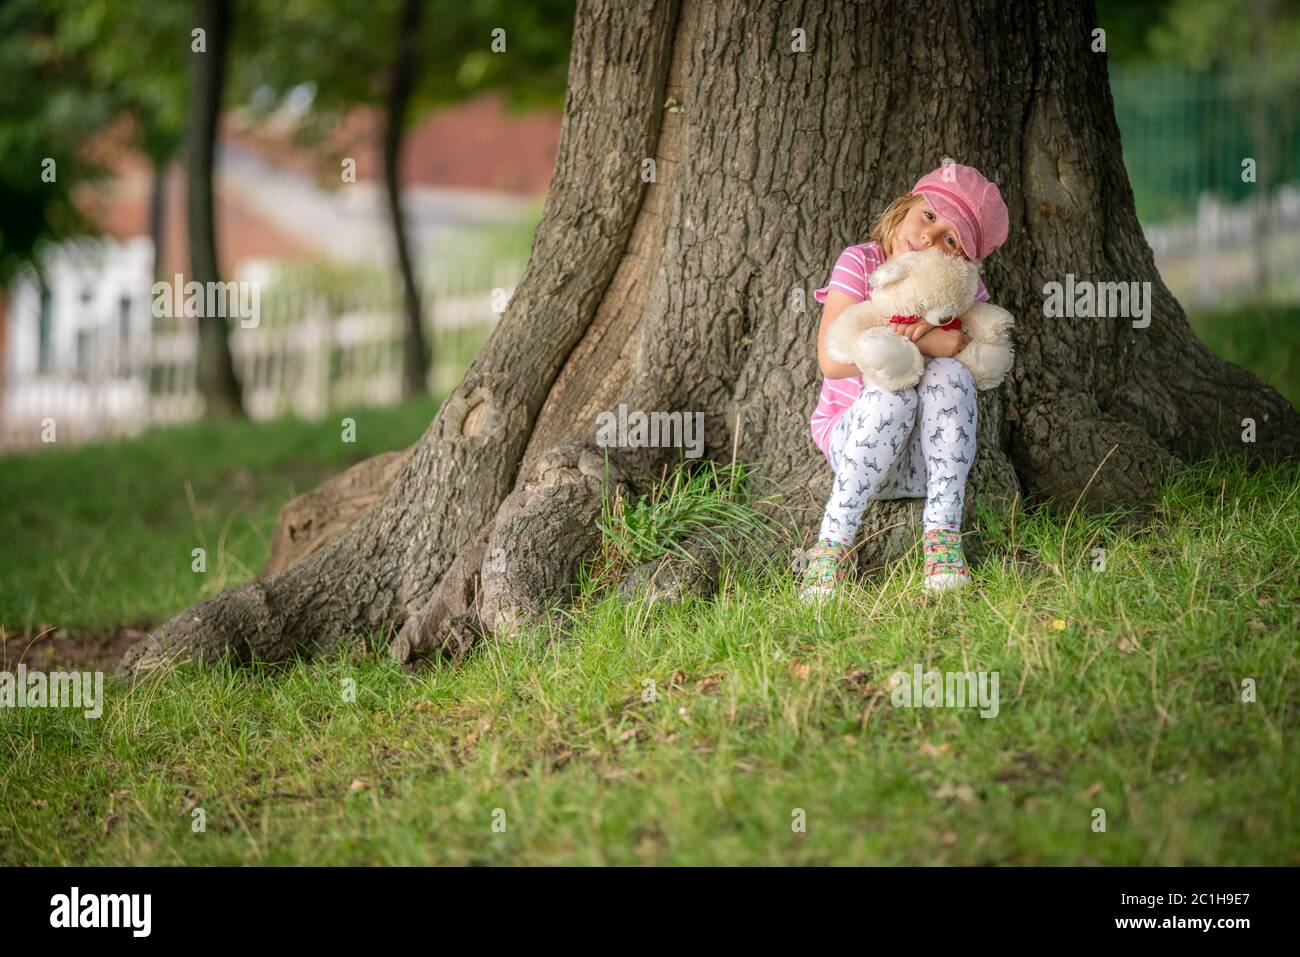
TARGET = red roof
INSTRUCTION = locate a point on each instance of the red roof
(471, 145)
(480, 146)
(476, 144)
(122, 211)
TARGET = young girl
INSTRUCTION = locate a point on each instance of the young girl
(916, 442)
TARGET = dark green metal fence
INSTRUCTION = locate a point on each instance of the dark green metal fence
(1186, 133)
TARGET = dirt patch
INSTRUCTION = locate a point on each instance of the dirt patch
(73, 651)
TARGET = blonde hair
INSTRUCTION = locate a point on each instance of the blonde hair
(888, 221)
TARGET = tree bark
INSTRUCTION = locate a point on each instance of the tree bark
(158, 214)
(415, 360)
(315, 517)
(686, 293)
(4, 331)
(216, 370)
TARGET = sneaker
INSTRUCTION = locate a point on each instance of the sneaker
(945, 567)
(825, 570)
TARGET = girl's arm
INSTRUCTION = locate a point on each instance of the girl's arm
(943, 343)
(937, 343)
(836, 302)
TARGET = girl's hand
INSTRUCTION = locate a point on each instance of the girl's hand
(914, 332)
(944, 343)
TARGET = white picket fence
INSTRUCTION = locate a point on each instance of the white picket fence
(310, 352)
(1229, 254)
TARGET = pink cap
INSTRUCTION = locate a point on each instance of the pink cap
(961, 195)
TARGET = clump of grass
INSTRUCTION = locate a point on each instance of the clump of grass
(694, 502)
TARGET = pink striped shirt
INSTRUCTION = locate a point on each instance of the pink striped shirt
(849, 277)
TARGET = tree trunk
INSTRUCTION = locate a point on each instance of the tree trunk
(4, 355)
(415, 361)
(686, 294)
(158, 215)
(216, 371)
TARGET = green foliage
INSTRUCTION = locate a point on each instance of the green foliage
(1204, 34)
(344, 49)
(1128, 25)
(1209, 34)
(45, 114)
(136, 56)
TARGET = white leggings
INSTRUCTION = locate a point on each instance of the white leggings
(880, 448)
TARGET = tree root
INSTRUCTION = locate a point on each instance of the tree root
(524, 563)
(1060, 452)
(317, 517)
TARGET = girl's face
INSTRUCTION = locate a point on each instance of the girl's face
(922, 228)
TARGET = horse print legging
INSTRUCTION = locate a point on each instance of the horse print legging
(881, 448)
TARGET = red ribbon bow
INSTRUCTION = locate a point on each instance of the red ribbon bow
(954, 323)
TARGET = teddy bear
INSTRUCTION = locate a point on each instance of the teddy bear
(924, 285)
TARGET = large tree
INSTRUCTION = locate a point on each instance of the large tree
(685, 292)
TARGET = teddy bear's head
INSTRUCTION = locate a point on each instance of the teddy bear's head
(926, 283)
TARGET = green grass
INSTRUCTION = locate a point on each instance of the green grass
(1263, 338)
(1120, 689)
(101, 535)
(633, 733)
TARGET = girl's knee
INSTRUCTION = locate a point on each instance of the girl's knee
(938, 371)
(878, 402)
(903, 401)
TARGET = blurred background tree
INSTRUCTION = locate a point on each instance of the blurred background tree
(139, 61)
(401, 58)
(134, 58)
(45, 110)
(73, 69)
(47, 104)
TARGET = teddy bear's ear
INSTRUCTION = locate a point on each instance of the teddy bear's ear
(887, 274)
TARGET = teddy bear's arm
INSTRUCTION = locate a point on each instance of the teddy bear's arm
(985, 322)
(989, 362)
